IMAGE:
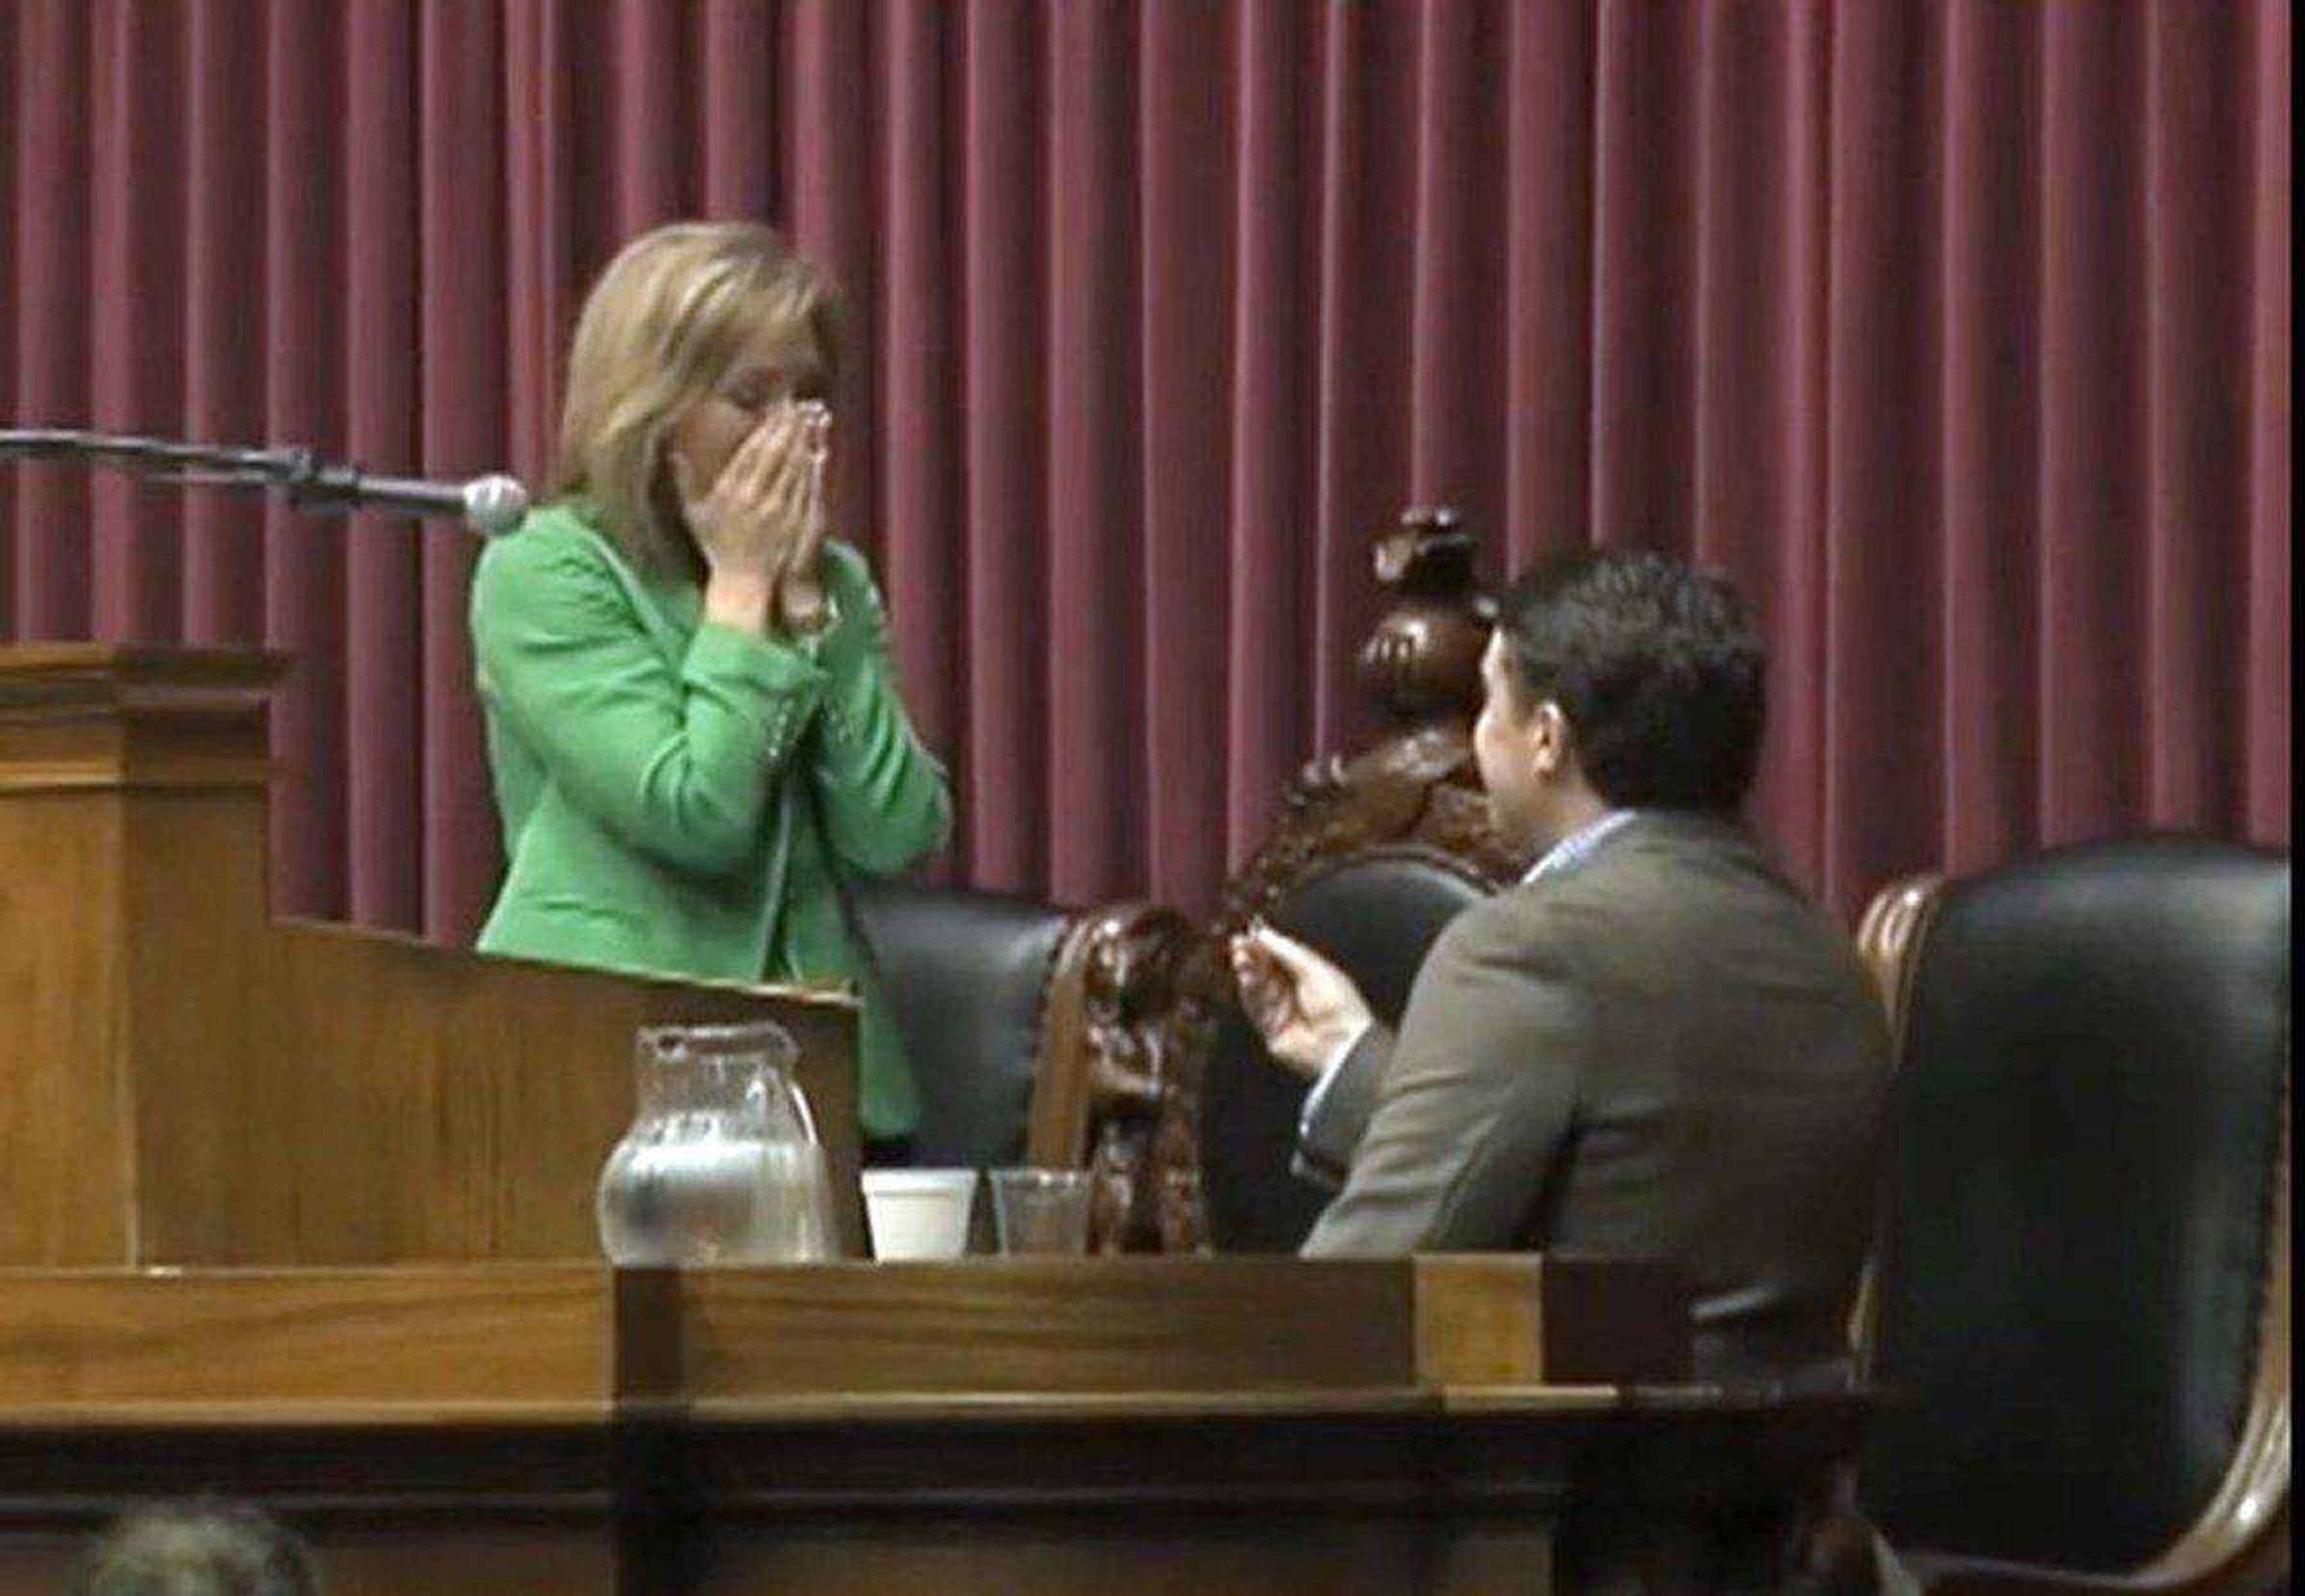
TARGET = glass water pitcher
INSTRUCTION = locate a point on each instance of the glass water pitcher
(722, 1164)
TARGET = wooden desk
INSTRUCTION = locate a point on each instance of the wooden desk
(1139, 1425)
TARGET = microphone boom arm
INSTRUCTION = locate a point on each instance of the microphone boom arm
(487, 505)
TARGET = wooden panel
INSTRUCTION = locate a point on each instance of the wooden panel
(320, 1094)
(1143, 1553)
(79, 715)
(1146, 1338)
(426, 1556)
(202, 981)
(87, 732)
(144, 749)
(66, 1192)
(1153, 1325)
(1508, 1319)
(1479, 1321)
(341, 1346)
(448, 1105)
(48, 675)
(995, 1325)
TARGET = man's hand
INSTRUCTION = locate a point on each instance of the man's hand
(1306, 1009)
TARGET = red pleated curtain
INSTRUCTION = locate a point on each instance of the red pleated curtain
(1958, 333)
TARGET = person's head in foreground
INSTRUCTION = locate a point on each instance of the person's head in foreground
(1616, 680)
(197, 1549)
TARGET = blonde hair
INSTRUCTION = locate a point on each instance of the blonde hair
(659, 329)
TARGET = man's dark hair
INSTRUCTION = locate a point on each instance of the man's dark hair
(1655, 669)
(197, 1549)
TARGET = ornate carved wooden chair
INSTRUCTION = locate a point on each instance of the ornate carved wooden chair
(2081, 1310)
(990, 992)
(1171, 1099)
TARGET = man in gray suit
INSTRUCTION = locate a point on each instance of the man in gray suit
(1651, 1047)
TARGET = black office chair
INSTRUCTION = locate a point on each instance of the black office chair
(968, 976)
(2080, 1320)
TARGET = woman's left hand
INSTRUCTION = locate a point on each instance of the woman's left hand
(800, 590)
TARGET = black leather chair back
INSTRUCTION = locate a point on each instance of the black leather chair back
(2083, 1145)
(964, 973)
(1375, 915)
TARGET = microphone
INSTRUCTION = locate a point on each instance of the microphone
(489, 505)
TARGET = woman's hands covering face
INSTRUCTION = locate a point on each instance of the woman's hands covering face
(762, 519)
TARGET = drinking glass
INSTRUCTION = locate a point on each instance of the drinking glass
(1041, 1211)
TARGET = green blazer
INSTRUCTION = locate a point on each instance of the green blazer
(685, 799)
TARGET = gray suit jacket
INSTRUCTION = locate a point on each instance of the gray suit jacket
(1663, 1052)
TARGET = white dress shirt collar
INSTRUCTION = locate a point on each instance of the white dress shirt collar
(1579, 845)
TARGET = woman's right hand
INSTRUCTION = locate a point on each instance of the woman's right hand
(752, 518)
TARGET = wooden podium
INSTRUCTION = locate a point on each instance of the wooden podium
(184, 1080)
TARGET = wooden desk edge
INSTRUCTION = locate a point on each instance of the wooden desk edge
(1002, 1407)
(1054, 1407)
(306, 1415)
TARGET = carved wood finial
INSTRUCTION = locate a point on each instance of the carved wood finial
(1422, 660)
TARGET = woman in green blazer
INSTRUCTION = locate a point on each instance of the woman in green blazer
(693, 722)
